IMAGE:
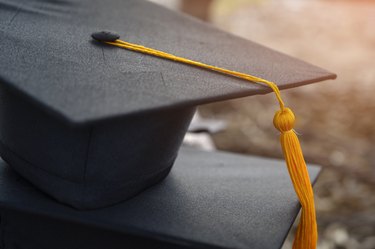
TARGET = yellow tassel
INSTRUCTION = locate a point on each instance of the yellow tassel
(307, 234)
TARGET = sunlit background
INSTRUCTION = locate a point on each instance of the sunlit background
(336, 118)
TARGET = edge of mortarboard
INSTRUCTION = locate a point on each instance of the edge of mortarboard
(78, 122)
(262, 90)
(39, 104)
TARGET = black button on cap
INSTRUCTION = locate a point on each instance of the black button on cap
(105, 36)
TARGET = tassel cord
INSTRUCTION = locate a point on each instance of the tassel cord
(306, 234)
(158, 53)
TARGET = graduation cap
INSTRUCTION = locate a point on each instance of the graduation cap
(209, 200)
(93, 125)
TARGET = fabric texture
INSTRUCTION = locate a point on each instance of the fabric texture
(47, 55)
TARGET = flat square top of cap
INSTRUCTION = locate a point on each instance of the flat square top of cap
(47, 54)
(216, 200)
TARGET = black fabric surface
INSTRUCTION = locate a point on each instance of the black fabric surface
(47, 54)
(209, 200)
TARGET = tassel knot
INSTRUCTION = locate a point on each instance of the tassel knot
(284, 120)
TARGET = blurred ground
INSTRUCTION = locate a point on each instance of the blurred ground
(336, 119)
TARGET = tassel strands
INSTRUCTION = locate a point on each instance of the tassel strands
(307, 234)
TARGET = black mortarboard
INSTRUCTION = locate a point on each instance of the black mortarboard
(209, 200)
(91, 124)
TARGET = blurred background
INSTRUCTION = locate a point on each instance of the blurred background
(336, 118)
